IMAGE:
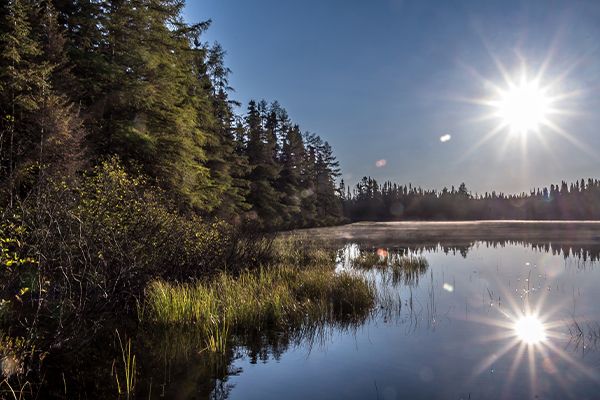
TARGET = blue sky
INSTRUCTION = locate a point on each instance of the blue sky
(385, 79)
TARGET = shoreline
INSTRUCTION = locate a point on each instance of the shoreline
(430, 232)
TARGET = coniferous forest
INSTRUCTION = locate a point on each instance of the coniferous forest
(85, 81)
(371, 201)
(127, 166)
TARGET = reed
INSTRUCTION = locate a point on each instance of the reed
(127, 386)
(270, 297)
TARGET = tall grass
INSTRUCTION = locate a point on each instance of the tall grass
(302, 251)
(270, 297)
(404, 269)
(368, 260)
(126, 386)
(20, 392)
(408, 269)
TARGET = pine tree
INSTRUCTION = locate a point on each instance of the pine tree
(264, 171)
(290, 179)
(134, 70)
(327, 171)
(39, 127)
(227, 165)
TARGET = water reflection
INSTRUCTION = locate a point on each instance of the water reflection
(484, 320)
(499, 319)
(530, 330)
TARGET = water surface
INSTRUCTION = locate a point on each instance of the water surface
(487, 319)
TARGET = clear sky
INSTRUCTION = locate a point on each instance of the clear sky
(386, 79)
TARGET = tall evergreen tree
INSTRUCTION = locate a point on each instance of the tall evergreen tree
(228, 166)
(290, 179)
(264, 171)
(38, 127)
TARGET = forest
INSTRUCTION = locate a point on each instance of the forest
(131, 81)
(371, 201)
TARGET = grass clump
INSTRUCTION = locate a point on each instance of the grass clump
(407, 269)
(403, 268)
(302, 250)
(368, 260)
(280, 297)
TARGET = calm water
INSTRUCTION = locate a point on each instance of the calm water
(486, 320)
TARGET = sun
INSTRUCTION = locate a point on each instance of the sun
(523, 107)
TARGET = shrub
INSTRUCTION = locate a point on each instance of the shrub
(82, 252)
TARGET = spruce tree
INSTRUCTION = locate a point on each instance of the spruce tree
(290, 179)
(39, 128)
(228, 166)
(264, 171)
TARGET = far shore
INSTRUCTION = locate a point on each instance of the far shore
(454, 232)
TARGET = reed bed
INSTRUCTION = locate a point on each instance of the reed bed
(270, 297)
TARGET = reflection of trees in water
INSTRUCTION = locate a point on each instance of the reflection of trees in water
(581, 251)
(173, 364)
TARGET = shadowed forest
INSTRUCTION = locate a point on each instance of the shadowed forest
(126, 165)
(83, 82)
(371, 201)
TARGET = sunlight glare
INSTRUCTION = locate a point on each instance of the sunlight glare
(530, 330)
(523, 107)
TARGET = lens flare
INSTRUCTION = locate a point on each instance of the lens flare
(525, 107)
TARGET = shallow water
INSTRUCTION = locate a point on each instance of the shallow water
(453, 333)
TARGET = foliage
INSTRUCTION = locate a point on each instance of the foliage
(99, 240)
(371, 201)
(18, 271)
(123, 162)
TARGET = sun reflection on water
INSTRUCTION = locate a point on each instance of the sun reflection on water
(529, 329)
(530, 333)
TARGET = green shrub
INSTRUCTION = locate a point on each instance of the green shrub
(98, 240)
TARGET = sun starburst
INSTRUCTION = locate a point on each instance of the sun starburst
(530, 334)
(527, 107)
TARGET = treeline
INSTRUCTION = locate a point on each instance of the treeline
(81, 81)
(389, 201)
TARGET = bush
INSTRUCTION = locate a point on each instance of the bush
(80, 253)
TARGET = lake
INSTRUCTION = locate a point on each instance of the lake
(503, 310)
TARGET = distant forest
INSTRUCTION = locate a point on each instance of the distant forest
(371, 201)
(85, 81)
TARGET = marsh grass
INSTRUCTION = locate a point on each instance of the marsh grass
(273, 297)
(21, 391)
(369, 260)
(402, 268)
(126, 386)
(408, 269)
(302, 251)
